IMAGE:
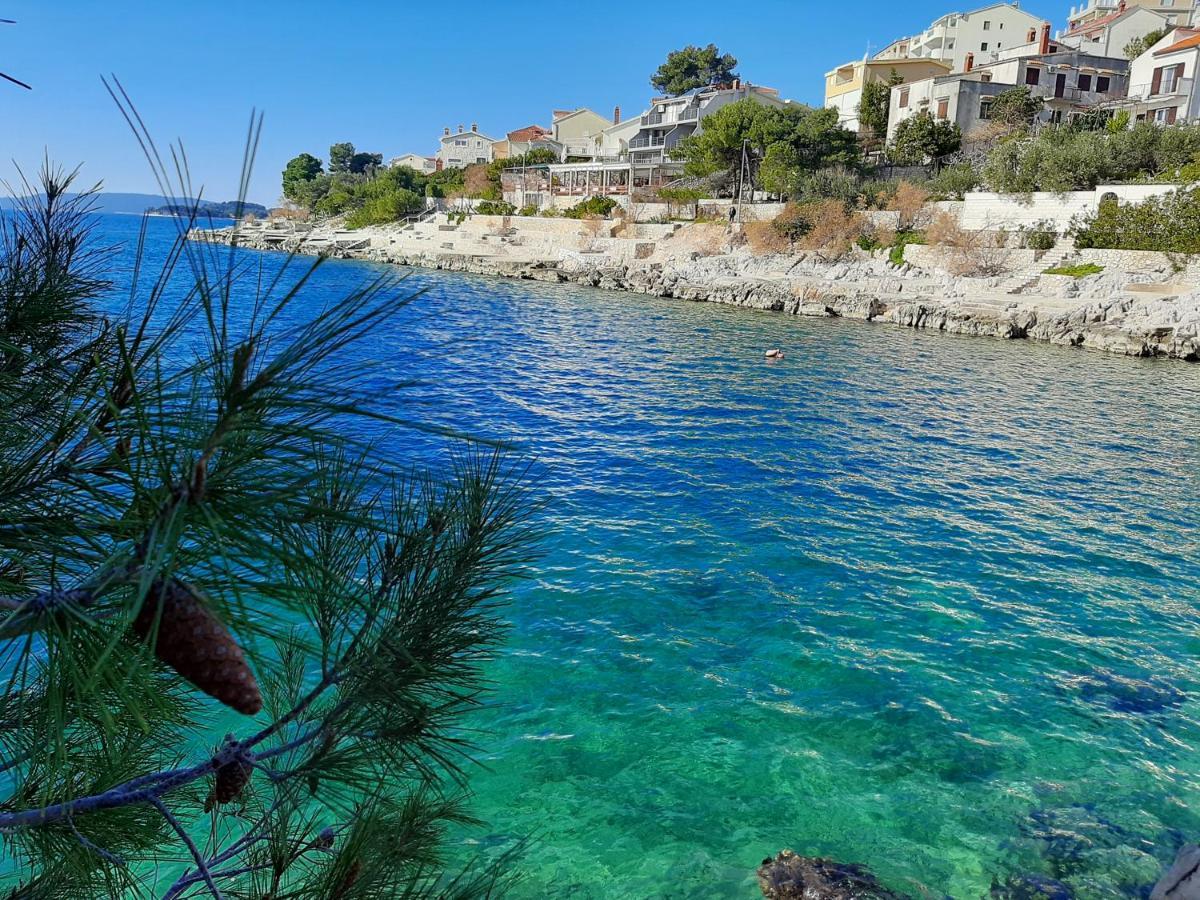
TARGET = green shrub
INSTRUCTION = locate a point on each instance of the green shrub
(1077, 271)
(953, 182)
(388, 207)
(527, 210)
(903, 239)
(494, 208)
(1062, 159)
(1040, 236)
(592, 207)
(1169, 224)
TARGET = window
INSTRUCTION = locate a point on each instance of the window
(1171, 20)
(1165, 116)
(985, 108)
(997, 45)
(943, 108)
(458, 143)
(1084, 82)
(903, 98)
(986, 77)
(1102, 84)
(1033, 75)
(480, 159)
(987, 26)
(983, 46)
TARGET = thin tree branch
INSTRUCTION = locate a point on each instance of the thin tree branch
(191, 845)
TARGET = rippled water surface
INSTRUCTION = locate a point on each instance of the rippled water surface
(923, 602)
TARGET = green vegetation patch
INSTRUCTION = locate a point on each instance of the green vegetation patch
(1081, 270)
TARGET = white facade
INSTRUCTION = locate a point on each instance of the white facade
(1162, 80)
(425, 164)
(982, 31)
(1070, 83)
(613, 141)
(671, 119)
(1176, 12)
(1108, 35)
(576, 130)
(464, 148)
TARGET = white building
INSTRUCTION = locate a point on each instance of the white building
(1162, 81)
(1176, 12)
(1108, 35)
(981, 31)
(424, 164)
(463, 148)
(635, 156)
(577, 129)
(1070, 82)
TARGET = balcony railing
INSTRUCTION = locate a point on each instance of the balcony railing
(1181, 87)
(690, 113)
(653, 118)
(646, 141)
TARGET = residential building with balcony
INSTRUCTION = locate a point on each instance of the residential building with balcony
(463, 148)
(636, 155)
(980, 32)
(1107, 35)
(671, 119)
(576, 131)
(1176, 12)
(844, 85)
(1071, 83)
(1162, 81)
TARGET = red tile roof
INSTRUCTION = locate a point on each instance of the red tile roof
(528, 133)
(1097, 24)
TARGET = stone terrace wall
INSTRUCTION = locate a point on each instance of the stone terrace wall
(983, 211)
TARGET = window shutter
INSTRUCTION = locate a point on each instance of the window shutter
(1179, 77)
(1157, 82)
(1171, 115)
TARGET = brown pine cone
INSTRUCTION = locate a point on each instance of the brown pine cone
(193, 642)
(232, 779)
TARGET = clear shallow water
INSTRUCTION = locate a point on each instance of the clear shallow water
(923, 602)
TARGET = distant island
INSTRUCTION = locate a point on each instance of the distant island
(230, 209)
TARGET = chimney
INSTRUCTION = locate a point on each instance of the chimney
(1045, 45)
(474, 127)
(438, 164)
(969, 63)
(446, 133)
(1121, 6)
(460, 128)
(737, 83)
(616, 115)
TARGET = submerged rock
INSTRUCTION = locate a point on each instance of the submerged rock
(1182, 881)
(1031, 887)
(792, 877)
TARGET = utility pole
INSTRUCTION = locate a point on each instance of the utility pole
(743, 171)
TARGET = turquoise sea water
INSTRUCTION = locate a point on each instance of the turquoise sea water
(923, 602)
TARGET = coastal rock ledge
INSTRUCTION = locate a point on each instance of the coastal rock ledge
(1134, 313)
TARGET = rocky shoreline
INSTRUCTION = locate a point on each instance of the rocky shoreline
(1146, 313)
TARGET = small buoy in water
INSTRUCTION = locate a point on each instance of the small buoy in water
(775, 353)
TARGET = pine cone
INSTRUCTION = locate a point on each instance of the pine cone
(193, 642)
(232, 779)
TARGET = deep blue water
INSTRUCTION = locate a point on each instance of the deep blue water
(923, 602)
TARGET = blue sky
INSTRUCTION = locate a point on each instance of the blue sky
(386, 76)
